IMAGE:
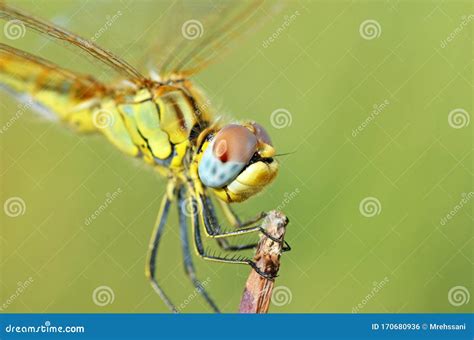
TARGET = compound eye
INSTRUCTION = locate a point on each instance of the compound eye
(262, 134)
(234, 143)
(227, 155)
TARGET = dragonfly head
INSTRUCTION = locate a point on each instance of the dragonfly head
(237, 162)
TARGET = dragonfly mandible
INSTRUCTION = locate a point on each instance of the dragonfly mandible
(166, 121)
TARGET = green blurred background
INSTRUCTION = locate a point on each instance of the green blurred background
(325, 74)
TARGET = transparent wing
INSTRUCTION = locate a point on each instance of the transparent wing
(194, 34)
(22, 19)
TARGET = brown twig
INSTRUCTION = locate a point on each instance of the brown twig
(258, 290)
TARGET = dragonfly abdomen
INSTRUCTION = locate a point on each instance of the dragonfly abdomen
(49, 89)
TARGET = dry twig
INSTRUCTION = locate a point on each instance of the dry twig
(258, 290)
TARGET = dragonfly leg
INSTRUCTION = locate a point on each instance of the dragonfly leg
(214, 230)
(150, 270)
(188, 262)
(203, 254)
(235, 220)
(222, 242)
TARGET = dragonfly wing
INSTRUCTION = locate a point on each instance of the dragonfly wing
(57, 33)
(49, 88)
(198, 33)
(80, 101)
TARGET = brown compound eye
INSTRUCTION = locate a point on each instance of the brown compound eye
(234, 143)
(262, 134)
(227, 155)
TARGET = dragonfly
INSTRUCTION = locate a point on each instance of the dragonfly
(163, 119)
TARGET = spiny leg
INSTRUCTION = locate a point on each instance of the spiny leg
(214, 230)
(202, 253)
(222, 242)
(188, 263)
(234, 219)
(153, 250)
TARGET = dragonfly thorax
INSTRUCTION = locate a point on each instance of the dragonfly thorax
(157, 124)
